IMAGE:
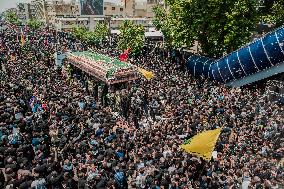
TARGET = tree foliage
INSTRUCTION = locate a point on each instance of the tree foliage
(278, 13)
(12, 18)
(273, 12)
(218, 26)
(91, 37)
(101, 31)
(79, 32)
(34, 24)
(162, 22)
(131, 36)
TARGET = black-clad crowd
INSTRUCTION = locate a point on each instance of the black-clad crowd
(56, 132)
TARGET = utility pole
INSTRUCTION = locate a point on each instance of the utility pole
(133, 7)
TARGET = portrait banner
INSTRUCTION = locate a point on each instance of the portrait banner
(92, 7)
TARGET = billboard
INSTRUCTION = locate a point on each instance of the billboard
(92, 7)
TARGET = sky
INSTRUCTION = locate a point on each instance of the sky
(6, 4)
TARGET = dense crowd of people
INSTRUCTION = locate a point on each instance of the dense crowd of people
(56, 133)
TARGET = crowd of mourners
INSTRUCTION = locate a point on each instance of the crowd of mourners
(56, 132)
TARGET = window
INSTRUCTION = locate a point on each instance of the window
(112, 8)
(105, 8)
(121, 9)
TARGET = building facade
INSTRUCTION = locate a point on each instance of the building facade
(63, 9)
(140, 9)
(131, 8)
(60, 13)
(48, 10)
(150, 4)
(111, 9)
(38, 10)
(125, 8)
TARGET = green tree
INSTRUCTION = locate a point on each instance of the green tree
(91, 38)
(218, 26)
(131, 36)
(265, 6)
(34, 24)
(84, 35)
(278, 13)
(161, 21)
(273, 12)
(81, 33)
(12, 18)
(101, 31)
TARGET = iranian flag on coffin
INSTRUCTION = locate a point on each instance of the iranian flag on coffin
(123, 57)
(108, 69)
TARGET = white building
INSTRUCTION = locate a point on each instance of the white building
(48, 10)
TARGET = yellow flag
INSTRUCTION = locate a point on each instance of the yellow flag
(23, 40)
(202, 144)
(147, 74)
(12, 57)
